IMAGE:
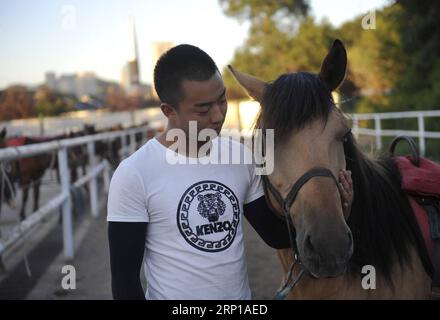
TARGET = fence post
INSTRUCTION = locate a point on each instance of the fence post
(355, 126)
(132, 142)
(421, 134)
(41, 121)
(144, 136)
(93, 186)
(378, 132)
(127, 145)
(107, 176)
(67, 205)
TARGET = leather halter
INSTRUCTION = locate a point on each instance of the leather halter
(286, 203)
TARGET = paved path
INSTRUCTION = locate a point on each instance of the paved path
(40, 277)
(93, 271)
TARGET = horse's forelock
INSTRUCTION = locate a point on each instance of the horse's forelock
(292, 101)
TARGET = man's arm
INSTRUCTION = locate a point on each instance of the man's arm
(271, 229)
(127, 243)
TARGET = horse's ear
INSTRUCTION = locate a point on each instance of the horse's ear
(334, 66)
(254, 86)
(3, 133)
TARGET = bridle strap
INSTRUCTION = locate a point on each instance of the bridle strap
(315, 172)
(286, 203)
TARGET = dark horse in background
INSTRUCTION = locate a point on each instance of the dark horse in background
(109, 149)
(29, 171)
(26, 171)
(381, 231)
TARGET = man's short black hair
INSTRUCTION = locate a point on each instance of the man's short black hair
(183, 62)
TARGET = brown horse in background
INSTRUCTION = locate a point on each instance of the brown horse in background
(332, 249)
(109, 149)
(26, 171)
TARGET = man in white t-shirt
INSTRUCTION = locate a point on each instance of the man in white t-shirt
(181, 213)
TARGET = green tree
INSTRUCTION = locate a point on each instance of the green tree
(49, 103)
(375, 57)
(282, 38)
(418, 87)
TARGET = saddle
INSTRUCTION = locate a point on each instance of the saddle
(421, 183)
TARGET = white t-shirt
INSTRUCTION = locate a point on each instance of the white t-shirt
(194, 244)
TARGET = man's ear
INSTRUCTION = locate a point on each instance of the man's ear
(168, 110)
(334, 66)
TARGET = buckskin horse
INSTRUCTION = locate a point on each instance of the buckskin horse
(312, 143)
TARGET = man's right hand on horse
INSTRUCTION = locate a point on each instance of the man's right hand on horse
(346, 190)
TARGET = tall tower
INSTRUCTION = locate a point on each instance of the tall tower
(135, 76)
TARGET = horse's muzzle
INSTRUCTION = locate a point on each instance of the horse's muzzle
(327, 259)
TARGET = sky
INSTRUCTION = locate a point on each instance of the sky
(82, 35)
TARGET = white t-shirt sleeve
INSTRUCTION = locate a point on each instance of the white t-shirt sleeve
(126, 198)
(256, 189)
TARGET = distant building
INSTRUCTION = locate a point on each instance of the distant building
(88, 88)
(50, 80)
(82, 85)
(159, 48)
(66, 84)
(87, 84)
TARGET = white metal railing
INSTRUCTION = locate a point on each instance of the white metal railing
(63, 199)
(378, 132)
(75, 121)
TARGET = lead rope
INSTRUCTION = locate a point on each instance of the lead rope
(288, 285)
(282, 293)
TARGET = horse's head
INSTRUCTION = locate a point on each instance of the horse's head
(309, 132)
(89, 129)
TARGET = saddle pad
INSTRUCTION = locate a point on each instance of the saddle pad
(15, 141)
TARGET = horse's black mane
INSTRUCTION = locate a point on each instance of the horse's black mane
(383, 225)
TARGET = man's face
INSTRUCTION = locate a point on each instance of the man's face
(204, 102)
